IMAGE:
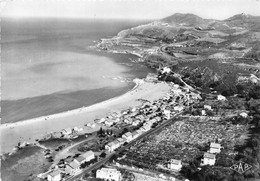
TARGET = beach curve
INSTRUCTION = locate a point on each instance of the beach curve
(37, 128)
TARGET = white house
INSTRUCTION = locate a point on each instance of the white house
(207, 107)
(146, 127)
(112, 146)
(102, 120)
(167, 113)
(208, 159)
(215, 148)
(121, 140)
(178, 45)
(203, 112)
(72, 168)
(128, 136)
(175, 164)
(135, 123)
(243, 114)
(221, 98)
(178, 108)
(166, 70)
(54, 175)
(109, 123)
(108, 174)
(128, 121)
(89, 155)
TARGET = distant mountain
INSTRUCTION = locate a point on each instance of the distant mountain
(244, 20)
(187, 19)
(241, 16)
(240, 20)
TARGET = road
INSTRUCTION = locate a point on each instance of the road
(101, 162)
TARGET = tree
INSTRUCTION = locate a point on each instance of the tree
(103, 155)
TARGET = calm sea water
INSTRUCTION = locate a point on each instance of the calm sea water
(48, 67)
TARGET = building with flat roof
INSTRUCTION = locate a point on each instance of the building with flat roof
(54, 175)
(108, 174)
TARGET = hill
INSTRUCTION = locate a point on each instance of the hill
(186, 19)
(187, 40)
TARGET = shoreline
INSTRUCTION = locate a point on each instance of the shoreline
(38, 128)
(62, 114)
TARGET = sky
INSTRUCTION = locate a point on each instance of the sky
(127, 9)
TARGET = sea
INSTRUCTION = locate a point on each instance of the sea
(48, 66)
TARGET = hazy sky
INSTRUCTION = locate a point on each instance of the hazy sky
(128, 9)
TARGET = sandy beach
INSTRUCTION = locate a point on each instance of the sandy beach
(30, 130)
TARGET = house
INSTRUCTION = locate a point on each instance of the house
(140, 117)
(128, 120)
(166, 70)
(80, 159)
(108, 174)
(167, 114)
(178, 108)
(208, 159)
(243, 114)
(89, 155)
(178, 45)
(215, 148)
(112, 146)
(135, 123)
(175, 164)
(139, 131)
(207, 107)
(76, 129)
(54, 175)
(203, 112)
(121, 140)
(146, 127)
(135, 134)
(221, 98)
(67, 131)
(128, 136)
(102, 120)
(142, 129)
(72, 168)
(157, 118)
(109, 123)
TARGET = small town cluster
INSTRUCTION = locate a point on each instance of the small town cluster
(138, 122)
(142, 119)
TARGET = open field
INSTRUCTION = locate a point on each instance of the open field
(187, 139)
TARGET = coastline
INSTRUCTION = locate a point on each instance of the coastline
(62, 114)
(37, 128)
